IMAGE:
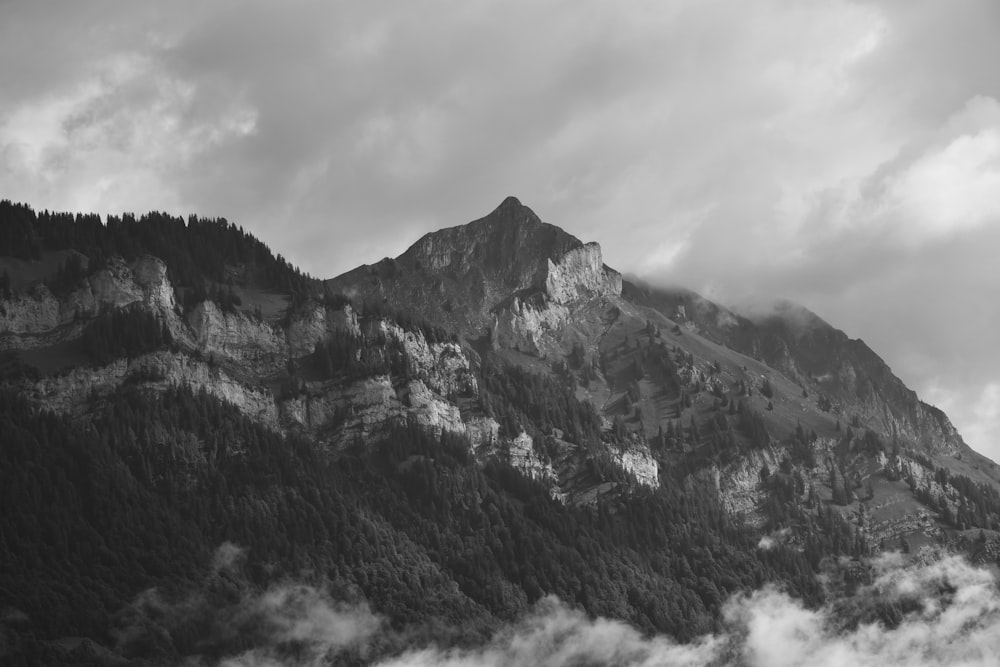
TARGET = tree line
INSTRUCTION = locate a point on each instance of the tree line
(197, 250)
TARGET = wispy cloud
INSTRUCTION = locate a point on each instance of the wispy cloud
(225, 622)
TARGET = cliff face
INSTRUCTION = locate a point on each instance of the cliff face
(531, 322)
(580, 274)
(639, 462)
(444, 367)
(527, 327)
(38, 317)
(239, 337)
(314, 322)
(72, 392)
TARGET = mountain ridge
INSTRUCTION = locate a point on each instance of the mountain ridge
(357, 431)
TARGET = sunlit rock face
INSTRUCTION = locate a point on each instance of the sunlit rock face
(444, 366)
(520, 453)
(638, 462)
(314, 322)
(40, 313)
(238, 336)
(580, 273)
(71, 393)
(525, 326)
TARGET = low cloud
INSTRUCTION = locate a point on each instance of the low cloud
(555, 636)
(919, 615)
(226, 557)
(225, 622)
(949, 614)
(301, 625)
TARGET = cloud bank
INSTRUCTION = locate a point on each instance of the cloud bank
(953, 618)
(945, 612)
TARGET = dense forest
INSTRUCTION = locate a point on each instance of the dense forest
(144, 493)
(196, 251)
(125, 332)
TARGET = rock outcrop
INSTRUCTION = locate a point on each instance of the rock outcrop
(580, 274)
(444, 366)
(36, 316)
(314, 322)
(237, 336)
(639, 462)
(71, 393)
(526, 327)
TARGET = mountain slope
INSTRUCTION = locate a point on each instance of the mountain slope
(491, 417)
(811, 352)
(659, 365)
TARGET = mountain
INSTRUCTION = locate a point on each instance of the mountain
(478, 279)
(449, 436)
(556, 302)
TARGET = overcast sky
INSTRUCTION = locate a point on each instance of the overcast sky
(845, 155)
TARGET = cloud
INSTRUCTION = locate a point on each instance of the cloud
(227, 622)
(227, 556)
(301, 625)
(940, 186)
(113, 138)
(555, 635)
(917, 614)
(330, 115)
(953, 617)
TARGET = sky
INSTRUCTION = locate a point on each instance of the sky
(843, 155)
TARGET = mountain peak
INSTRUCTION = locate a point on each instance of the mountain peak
(458, 275)
(510, 202)
(512, 211)
(511, 242)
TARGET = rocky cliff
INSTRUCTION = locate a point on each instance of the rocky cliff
(239, 337)
(38, 317)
